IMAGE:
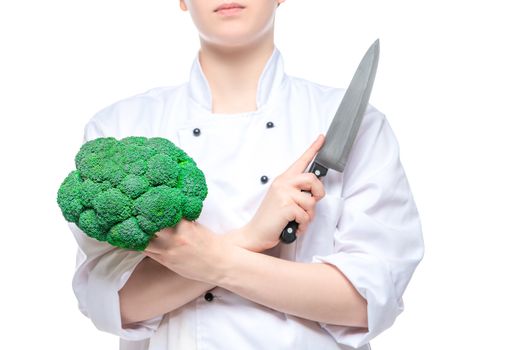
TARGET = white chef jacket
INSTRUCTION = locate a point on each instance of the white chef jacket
(367, 225)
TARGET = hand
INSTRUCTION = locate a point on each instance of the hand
(285, 202)
(189, 249)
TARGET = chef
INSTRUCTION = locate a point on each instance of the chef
(225, 281)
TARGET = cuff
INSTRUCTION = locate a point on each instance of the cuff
(103, 302)
(372, 279)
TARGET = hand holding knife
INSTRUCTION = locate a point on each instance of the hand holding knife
(344, 126)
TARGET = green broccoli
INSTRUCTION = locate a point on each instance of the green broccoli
(123, 192)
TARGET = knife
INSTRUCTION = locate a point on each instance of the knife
(344, 126)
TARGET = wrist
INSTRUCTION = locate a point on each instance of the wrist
(228, 267)
(238, 237)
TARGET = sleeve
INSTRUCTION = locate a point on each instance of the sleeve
(101, 271)
(378, 240)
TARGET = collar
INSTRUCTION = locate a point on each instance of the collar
(269, 83)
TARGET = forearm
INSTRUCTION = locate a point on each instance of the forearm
(314, 291)
(154, 290)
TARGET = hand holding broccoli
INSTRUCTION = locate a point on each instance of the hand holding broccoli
(191, 250)
(124, 191)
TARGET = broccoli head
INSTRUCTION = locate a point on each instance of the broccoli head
(123, 191)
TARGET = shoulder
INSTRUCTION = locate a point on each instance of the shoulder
(141, 114)
(152, 100)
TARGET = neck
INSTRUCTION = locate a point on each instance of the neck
(233, 73)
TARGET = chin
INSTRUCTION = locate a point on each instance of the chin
(241, 36)
(231, 38)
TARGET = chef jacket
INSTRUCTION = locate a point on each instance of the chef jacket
(367, 225)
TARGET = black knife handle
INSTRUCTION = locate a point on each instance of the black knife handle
(289, 234)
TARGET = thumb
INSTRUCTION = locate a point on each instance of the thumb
(300, 165)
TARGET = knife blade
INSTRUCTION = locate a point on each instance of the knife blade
(344, 126)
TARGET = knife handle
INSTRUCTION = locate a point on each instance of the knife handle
(289, 234)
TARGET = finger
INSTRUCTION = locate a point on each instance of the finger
(301, 216)
(156, 257)
(150, 254)
(156, 245)
(305, 201)
(300, 165)
(151, 249)
(296, 213)
(309, 182)
(302, 228)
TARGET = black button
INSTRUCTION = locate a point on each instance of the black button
(264, 179)
(269, 125)
(209, 296)
(196, 131)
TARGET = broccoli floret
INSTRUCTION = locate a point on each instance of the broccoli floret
(192, 181)
(124, 191)
(192, 208)
(112, 207)
(161, 207)
(162, 169)
(90, 189)
(91, 225)
(128, 234)
(69, 196)
(133, 186)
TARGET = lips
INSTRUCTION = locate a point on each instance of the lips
(231, 5)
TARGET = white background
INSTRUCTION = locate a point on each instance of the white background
(450, 81)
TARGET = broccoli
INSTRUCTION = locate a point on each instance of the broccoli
(123, 192)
